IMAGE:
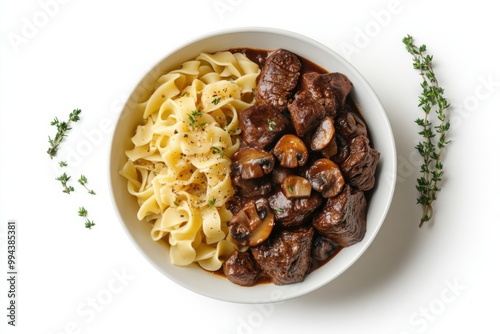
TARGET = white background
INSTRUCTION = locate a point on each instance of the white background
(59, 55)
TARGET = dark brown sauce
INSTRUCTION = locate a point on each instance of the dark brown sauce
(264, 279)
(259, 57)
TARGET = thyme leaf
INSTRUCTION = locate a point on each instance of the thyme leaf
(434, 136)
(62, 129)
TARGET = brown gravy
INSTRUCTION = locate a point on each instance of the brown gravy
(259, 56)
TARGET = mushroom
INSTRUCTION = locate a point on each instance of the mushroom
(253, 223)
(291, 151)
(331, 149)
(252, 163)
(325, 177)
(323, 135)
(296, 187)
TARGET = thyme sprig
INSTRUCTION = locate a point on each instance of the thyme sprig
(89, 223)
(62, 129)
(64, 179)
(82, 212)
(83, 181)
(434, 136)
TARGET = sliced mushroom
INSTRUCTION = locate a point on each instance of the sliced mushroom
(331, 149)
(326, 177)
(253, 223)
(252, 163)
(296, 187)
(323, 135)
(291, 151)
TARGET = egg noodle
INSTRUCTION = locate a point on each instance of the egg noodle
(179, 167)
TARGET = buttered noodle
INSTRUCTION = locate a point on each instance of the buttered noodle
(179, 167)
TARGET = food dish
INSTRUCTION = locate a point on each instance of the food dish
(179, 168)
(211, 285)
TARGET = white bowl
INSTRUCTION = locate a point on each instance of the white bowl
(193, 277)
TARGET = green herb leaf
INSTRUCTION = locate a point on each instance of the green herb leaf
(62, 128)
(89, 224)
(271, 123)
(64, 179)
(432, 146)
(219, 151)
(83, 181)
(193, 119)
(82, 212)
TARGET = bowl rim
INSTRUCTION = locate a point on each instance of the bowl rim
(390, 177)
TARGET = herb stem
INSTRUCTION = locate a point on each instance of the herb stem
(62, 128)
(430, 149)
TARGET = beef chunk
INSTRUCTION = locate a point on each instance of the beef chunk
(319, 95)
(285, 256)
(240, 268)
(350, 125)
(290, 212)
(330, 89)
(343, 218)
(360, 166)
(306, 112)
(253, 187)
(323, 248)
(261, 125)
(278, 79)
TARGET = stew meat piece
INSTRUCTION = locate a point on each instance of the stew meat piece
(343, 218)
(319, 95)
(291, 212)
(261, 125)
(349, 125)
(278, 79)
(360, 166)
(286, 255)
(330, 89)
(323, 248)
(240, 268)
(306, 112)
